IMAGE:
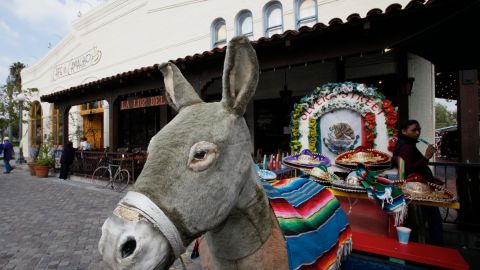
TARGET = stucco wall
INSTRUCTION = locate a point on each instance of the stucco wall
(131, 34)
(421, 105)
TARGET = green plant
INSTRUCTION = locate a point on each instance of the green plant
(46, 161)
(44, 156)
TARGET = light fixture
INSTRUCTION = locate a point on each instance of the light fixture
(20, 97)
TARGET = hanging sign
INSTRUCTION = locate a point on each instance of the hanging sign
(142, 102)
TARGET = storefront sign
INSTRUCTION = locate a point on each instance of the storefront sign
(337, 117)
(77, 64)
(354, 101)
(142, 102)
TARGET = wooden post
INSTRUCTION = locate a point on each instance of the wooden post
(113, 122)
(64, 110)
(468, 115)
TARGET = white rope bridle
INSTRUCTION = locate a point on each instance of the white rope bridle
(142, 205)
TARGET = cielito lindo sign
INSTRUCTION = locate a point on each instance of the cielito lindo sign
(77, 64)
(142, 102)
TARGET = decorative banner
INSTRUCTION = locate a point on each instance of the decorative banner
(142, 102)
(88, 59)
(338, 117)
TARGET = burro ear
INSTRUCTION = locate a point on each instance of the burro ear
(240, 75)
(178, 90)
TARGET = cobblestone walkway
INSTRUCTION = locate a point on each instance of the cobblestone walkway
(53, 224)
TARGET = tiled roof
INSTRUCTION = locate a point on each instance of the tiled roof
(262, 41)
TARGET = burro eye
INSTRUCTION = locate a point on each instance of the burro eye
(202, 155)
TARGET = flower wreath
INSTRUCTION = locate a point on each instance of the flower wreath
(334, 89)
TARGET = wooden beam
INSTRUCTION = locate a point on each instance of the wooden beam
(468, 113)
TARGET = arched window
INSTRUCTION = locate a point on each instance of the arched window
(273, 21)
(305, 13)
(244, 24)
(57, 126)
(36, 134)
(219, 33)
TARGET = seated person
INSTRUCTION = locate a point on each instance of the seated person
(416, 162)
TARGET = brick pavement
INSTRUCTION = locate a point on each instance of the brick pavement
(53, 224)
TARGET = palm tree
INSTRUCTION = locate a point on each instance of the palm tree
(10, 110)
(14, 76)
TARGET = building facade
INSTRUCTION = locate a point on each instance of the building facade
(101, 80)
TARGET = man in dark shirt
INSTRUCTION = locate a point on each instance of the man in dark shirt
(7, 154)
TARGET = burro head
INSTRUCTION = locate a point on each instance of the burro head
(196, 173)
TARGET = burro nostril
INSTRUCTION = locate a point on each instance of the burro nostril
(128, 248)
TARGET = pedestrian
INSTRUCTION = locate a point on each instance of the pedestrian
(416, 164)
(66, 160)
(84, 145)
(7, 154)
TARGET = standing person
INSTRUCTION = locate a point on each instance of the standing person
(84, 145)
(7, 154)
(66, 160)
(416, 162)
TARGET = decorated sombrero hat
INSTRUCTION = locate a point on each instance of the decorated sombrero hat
(416, 187)
(306, 160)
(321, 174)
(374, 160)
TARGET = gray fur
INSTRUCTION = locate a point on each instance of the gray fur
(240, 75)
(178, 91)
(225, 201)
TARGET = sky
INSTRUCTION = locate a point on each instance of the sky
(30, 28)
(450, 104)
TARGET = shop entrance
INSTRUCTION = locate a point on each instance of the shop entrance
(138, 126)
(93, 129)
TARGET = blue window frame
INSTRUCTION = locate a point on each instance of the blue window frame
(244, 24)
(219, 33)
(306, 13)
(273, 18)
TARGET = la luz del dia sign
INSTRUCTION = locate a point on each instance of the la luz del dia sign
(142, 102)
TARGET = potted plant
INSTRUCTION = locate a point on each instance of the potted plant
(33, 154)
(43, 165)
(31, 167)
(44, 161)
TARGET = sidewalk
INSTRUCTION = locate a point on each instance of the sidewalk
(49, 223)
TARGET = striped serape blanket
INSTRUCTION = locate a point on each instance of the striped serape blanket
(315, 228)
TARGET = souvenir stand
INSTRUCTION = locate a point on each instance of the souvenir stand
(343, 135)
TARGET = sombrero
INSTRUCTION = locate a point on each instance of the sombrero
(373, 159)
(320, 174)
(417, 188)
(306, 160)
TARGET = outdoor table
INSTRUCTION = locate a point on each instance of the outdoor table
(388, 245)
(452, 205)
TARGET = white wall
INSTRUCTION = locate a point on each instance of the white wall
(421, 105)
(135, 33)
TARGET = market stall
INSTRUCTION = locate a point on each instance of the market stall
(343, 135)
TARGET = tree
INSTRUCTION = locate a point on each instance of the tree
(444, 117)
(9, 106)
(14, 76)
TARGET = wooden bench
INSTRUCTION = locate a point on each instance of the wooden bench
(414, 252)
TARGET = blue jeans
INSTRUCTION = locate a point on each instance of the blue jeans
(6, 162)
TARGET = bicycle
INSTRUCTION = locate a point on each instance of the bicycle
(118, 178)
